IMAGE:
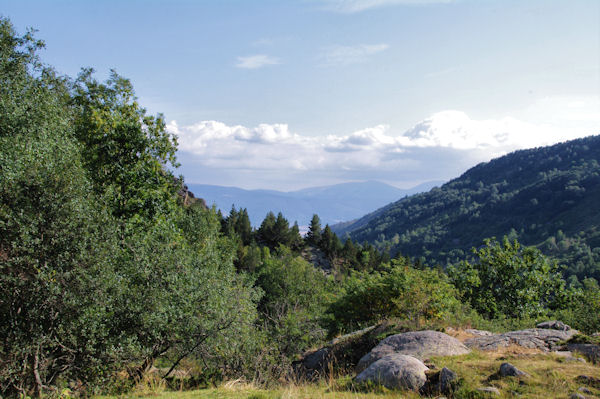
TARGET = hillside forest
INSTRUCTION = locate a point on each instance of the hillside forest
(110, 269)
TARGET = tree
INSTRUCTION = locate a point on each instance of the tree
(313, 237)
(505, 279)
(126, 151)
(330, 243)
(55, 240)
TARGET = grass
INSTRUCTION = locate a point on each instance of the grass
(550, 376)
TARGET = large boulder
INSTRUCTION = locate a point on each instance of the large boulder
(395, 371)
(543, 339)
(419, 344)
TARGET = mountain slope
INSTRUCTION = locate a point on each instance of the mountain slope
(549, 197)
(333, 204)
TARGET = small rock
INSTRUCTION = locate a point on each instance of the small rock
(447, 380)
(585, 390)
(508, 370)
(490, 390)
(576, 396)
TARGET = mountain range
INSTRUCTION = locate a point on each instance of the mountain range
(333, 204)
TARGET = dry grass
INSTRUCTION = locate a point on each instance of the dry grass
(550, 376)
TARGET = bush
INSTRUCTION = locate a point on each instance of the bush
(400, 292)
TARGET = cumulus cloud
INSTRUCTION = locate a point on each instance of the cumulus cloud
(439, 147)
(346, 55)
(353, 6)
(256, 61)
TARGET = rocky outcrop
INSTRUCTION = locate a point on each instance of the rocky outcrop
(419, 344)
(554, 325)
(395, 371)
(533, 338)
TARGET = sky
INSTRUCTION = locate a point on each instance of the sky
(292, 94)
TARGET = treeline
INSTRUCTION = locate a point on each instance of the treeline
(275, 232)
(105, 271)
(546, 197)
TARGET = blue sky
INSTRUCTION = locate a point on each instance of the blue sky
(291, 94)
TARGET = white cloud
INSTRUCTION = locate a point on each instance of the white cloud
(256, 61)
(346, 55)
(352, 6)
(437, 148)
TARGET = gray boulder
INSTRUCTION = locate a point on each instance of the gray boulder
(395, 371)
(533, 338)
(508, 370)
(419, 344)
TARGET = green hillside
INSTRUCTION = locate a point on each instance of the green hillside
(548, 197)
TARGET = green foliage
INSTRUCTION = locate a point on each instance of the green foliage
(505, 279)
(126, 152)
(99, 268)
(275, 231)
(583, 312)
(400, 292)
(295, 294)
(313, 237)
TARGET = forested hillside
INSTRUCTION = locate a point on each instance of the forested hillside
(548, 197)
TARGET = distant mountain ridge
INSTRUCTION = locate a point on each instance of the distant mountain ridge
(333, 204)
(547, 196)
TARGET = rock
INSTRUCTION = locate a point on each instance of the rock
(395, 371)
(419, 344)
(319, 362)
(591, 351)
(508, 370)
(533, 338)
(447, 379)
(554, 325)
(590, 381)
(585, 390)
(443, 382)
(481, 333)
(490, 390)
(576, 396)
